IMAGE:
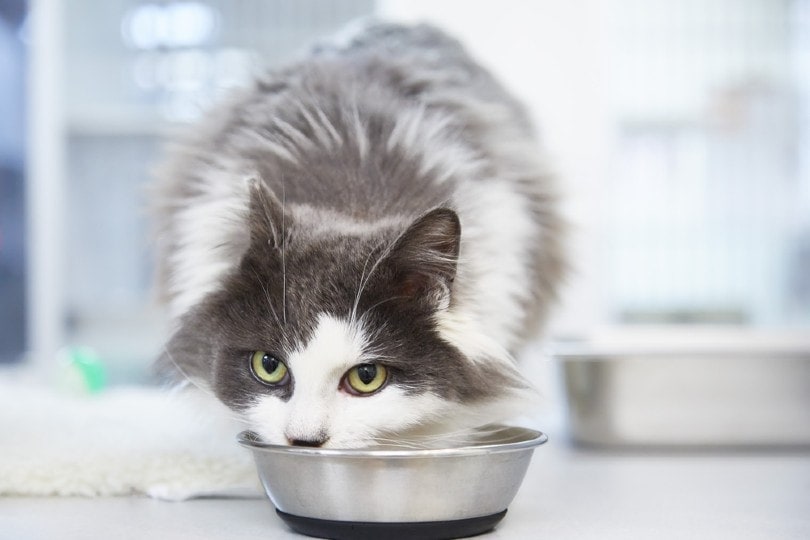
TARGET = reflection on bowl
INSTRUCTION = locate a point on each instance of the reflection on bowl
(399, 493)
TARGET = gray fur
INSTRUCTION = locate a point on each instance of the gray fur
(349, 215)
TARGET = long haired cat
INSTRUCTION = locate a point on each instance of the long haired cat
(353, 248)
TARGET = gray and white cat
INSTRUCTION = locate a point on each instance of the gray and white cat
(353, 249)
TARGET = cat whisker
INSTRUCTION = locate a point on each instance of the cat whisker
(418, 442)
(187, 378)
(399, 443)
(360, 287)
(381, 302)
(283, 251)
(364, 278)
(267, 297)
(372, 354)
(364, 282)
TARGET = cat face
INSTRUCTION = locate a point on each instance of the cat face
(333, 337)
(341, 390)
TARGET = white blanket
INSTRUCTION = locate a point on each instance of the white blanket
(123, 441)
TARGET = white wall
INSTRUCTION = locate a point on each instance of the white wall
(552, 55)
(674, 129)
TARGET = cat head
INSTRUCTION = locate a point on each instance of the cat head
(343, 334)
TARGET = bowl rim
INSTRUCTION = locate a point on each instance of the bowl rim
(533, 439)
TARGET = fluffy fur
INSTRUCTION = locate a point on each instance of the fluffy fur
(382, 202)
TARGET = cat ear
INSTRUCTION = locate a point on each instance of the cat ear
(266, 219)
(425, 256)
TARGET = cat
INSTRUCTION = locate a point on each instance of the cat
(353, 249)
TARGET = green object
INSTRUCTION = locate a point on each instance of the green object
(86, 369)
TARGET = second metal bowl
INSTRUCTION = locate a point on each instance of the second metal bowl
(365, 493)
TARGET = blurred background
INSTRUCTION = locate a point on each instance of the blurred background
(679, 129)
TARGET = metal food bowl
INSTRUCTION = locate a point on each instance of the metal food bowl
(694, 388)
(396, 493)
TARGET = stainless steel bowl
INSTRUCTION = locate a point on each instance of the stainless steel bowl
(689, 390)
(402, 493)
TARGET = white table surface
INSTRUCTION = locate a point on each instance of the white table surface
(567, 493)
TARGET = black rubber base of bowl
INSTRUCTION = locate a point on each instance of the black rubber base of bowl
(423, 530)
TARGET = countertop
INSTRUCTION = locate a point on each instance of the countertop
(568, 493)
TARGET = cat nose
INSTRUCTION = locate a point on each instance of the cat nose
(312, 443)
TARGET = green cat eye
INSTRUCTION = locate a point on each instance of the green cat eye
(267, 368)
(365, 379)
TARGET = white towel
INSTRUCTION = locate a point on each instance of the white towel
(123, 441)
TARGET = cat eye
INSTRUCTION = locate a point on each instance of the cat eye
(268, 369)
(364, 379)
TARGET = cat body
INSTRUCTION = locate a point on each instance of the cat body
(353, 248)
